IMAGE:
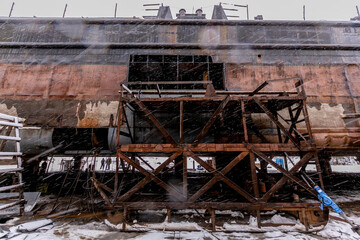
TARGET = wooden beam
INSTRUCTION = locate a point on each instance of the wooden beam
(283, 171)
(222, 177)
(283, 180)
(156, 122)
(211, 121)
(103, 195)
(254, 175)
(273, 118)
(224, 171)
(210, 147)
(243, 118)
(147, 179)
(185, 180)
(181, 122)
(152, 176)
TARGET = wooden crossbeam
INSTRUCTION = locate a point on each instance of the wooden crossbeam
(215, 179)
(152, 176)
(273, 118)
(98, 186)
(293, 119)
(211, 121)
(154, 120)
(221, 177)
(283, 180)
(280, 169)
(147, 179)
(210, 147)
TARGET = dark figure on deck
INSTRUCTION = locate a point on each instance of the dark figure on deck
(102, 163)
(108, 163)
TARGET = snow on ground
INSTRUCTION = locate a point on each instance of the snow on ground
(76, 230)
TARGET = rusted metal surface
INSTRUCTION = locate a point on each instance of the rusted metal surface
(62, 72)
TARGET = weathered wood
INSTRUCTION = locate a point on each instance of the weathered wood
(254, 175)
(283, 171)
(273, 118)
(219, 205)
(168, 82)
(243, 118)
(224, 171)
(283, 180)
(185, 175)
(210, 147)
(154, 120)
(157, 180)
(181, 132)
(211, 121)
(102, 194)
(147, 179)
(222, 177)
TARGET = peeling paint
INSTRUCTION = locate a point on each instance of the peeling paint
(8, 110)
(328, 116)
(96, 115)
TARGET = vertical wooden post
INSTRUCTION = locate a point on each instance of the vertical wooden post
(253, 175)
(243, 118)
(305, 220)
(124, 219)
(181, 122)
(185, 180)
(168, 214)
(318, 169)
(116, 181)
(255, 185)
(212, 212)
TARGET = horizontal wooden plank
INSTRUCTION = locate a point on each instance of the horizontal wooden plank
(11, 170)
(7, 188)
(4, 123)
(208, 147)
(171, 83)
(217, 205)
(11, 204)
(10, 138)
(10, 153)
(10, 118)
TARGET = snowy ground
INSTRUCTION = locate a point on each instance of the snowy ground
(74, 229)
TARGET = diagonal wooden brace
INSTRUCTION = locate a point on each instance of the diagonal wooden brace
(211, 121)
(98, 186)
(152, 176)
(273, 118)
(280, 169)
(221, 177)
(294, 120)
(156, 122)
(283, 180)
(215, 179)
(148, 179)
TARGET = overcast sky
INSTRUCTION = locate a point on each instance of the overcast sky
(271, 9)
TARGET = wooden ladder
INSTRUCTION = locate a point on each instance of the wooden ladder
(10, 139)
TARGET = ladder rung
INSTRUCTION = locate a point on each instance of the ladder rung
(11, 170)
(10, 153)
(3, 189)
(11, 204)
(10, 124)
(10, 138)
(10, 118)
